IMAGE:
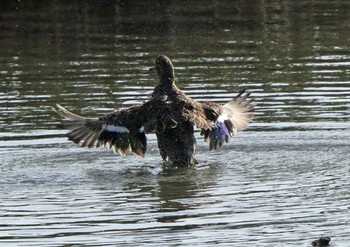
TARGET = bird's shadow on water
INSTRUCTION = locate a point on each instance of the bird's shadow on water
(149, 173)
(172, 188)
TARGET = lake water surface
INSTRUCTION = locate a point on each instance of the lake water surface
(283, 182)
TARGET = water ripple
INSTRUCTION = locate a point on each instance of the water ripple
(283, 182)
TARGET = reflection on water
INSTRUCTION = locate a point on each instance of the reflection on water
(284, 186)
(295, 62)
(274, 188)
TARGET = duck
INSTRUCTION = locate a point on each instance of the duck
(170, 114)
(322, 242)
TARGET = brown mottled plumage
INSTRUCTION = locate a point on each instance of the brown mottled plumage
(170, 114)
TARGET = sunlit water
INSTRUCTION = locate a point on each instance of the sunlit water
(283, 182)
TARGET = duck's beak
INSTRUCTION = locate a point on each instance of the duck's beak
(152, 69)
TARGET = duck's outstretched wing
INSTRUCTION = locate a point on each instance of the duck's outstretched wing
(120, 131)
(227, 119)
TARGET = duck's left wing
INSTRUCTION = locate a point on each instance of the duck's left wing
(120, 130)
(227, 119)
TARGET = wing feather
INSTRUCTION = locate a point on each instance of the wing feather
(227, 119)
(119, 130)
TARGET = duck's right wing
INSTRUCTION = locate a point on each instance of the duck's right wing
(120, 131)
(228, 119)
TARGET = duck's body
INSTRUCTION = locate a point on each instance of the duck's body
(170, 114)
(175, 135)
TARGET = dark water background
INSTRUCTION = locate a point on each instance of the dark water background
(283, 182)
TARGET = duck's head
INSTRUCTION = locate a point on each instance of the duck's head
(164, 69)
